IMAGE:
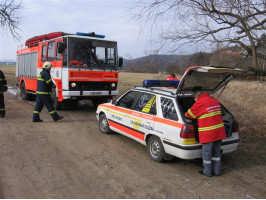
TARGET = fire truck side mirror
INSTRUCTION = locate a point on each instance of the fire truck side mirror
(60, 47)
(120, 62)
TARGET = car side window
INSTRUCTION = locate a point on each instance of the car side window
(168, 109)
(128, 100)
(146, 103)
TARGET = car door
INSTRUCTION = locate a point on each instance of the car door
(119, 114)
(141, 119)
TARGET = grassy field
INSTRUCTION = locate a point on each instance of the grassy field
(246, 100)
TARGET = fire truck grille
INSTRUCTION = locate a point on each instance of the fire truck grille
(92, 86)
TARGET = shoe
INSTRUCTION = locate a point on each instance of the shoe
(37, 120)
(59, 118)
(201, 172)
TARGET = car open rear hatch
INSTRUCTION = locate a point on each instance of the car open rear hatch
(209, 78)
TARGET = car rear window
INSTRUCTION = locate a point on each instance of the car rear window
(168, 109)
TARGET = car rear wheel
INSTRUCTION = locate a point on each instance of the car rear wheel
(104, 125)
(156, 149)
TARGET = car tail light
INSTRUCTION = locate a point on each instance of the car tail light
(187, 131)
(236, 126)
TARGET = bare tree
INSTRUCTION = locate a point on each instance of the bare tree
(10, 17)
(181, 22)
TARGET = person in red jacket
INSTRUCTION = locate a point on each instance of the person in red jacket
(171, 77)
(207, 111)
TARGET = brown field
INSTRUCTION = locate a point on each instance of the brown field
(245, 99)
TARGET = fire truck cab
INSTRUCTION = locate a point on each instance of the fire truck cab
(85, 66)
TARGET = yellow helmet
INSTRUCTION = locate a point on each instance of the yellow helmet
(47, 65)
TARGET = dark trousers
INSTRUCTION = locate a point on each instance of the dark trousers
(44, 100)
(2, 105)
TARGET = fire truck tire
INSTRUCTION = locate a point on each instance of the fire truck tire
(156, 149)
(57, 104)
(23, 93)
(104, 125)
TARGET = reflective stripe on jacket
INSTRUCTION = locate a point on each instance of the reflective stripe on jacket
(210, 122)
(3, 83)
(44, 83)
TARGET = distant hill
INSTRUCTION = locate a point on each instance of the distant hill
(158, 61)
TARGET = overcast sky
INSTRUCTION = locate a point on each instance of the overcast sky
(111, 18)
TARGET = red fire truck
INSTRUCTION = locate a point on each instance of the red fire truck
(85, 66)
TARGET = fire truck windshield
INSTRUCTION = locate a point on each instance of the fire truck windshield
(91, 53)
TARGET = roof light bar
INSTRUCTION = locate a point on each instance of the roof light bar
(91, 34)
(160, 83)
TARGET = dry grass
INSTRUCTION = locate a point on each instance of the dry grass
(129, 80)
(10, 74)
(246, 100)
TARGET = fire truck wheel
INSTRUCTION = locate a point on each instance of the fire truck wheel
(103, 124)
(156, 149)
(23, 93)
(57, 104)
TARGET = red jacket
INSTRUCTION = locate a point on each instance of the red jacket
(210, 122)
(171, 78)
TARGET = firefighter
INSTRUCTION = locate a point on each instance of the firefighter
(207, 111)
(3, 88)
(44, 88)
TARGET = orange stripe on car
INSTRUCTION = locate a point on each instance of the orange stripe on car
(127, 130)
(144, 116)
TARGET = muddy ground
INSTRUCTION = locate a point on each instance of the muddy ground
(72, 159)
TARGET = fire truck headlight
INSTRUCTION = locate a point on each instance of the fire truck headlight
(113, 84)
(73, 85)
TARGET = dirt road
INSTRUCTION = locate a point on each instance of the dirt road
(72, 159)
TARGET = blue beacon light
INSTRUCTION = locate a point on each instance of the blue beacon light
(91, 34)
(160, 83)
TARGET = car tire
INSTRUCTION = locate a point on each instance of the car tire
(156, 149)
(104, 125)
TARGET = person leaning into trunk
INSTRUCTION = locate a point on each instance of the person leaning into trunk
(207, 111)
(3, 88)
(44, 91)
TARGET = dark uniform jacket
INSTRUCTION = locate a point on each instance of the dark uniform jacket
(3, 83)
(44, 83)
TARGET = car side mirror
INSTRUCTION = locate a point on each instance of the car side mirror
(120, 62)
(60, 47)
(113, 102)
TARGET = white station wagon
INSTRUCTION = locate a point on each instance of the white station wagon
(154, 116)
